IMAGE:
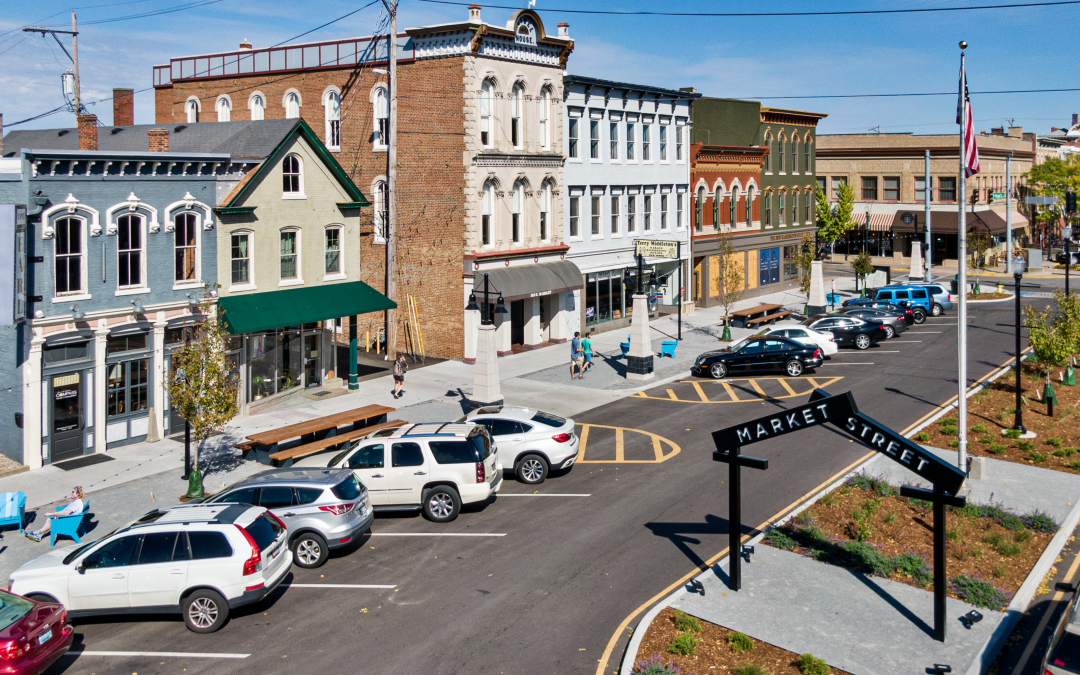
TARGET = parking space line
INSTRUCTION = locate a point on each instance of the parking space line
(619, 447)
(700, 392)
(438, 534)
(731, 392)
(924, 332)
(900, 342)
(787, 386)
(876, 351)
(758, 389)
(853, 363)
(179, 655)
(545, 494)
(340, 585)
(671, 393)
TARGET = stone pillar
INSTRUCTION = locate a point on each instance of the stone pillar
(157, 419)
(33, 414)
(639, 360)
(533, 338)
(558, 332)
(916, 272)
(502, 336)
(471, 324)
(486, 388)
(101, 335)
(816, 303)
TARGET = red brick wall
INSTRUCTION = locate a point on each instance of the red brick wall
(431, 178)
(88, 132)
(158, 140)
(123, 107)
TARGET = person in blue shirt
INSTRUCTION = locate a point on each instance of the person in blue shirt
(577, 358)
(586, 348)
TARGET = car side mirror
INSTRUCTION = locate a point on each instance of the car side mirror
(81, 569)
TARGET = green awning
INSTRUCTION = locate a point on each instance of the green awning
(278, 309)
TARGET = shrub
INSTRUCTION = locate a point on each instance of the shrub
(948, 421)
(922, 437)
(749, 669)
(975, 591)
(1009, 549)
(890, 518)
(999, 572)
(685, 622)
(1054, 442)
(985, 439)
(780, 539)
(979, 428)
(828, 500)
(1064, 452)
(1022, 537)
(1075, 466)
(997, 449)
(976, 553)
(871, 483)
(953, 535)
(995, 539)
(1000, 417)
(684, 645)
(1037, 458)
(655, 666)
(915, 567)
(1038, 521)
(954, 443)
(950, 431)
(1012, 433)
(740, 642)
(811, 665)
(1026, 446)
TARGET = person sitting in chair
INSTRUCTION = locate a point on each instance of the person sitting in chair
(75, 507)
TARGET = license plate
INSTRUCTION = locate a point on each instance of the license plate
(45, 637)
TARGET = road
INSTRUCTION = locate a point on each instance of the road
(539, 580)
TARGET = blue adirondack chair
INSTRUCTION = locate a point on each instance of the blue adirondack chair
(12, 509)
(68, 526)
(667, 348)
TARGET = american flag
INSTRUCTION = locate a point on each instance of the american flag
(970, 148)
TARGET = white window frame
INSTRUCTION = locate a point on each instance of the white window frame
(733, 207)
(332, 120)
(191, 110)
(83, 292)
(631, 156)
(545, 118)
(664, 206)
(517, 215)
(340, 274)
(300, 177)
(680, 221)
(679, 144)
(749, 206)
(808, 156)
(487, 210)
(595, 214)
(616, 225)
(663, 144)
(197, 281)
(794, 155)
(250, 283)
(573, 139)
(545, 211)
(224, 109)
(781, 153)
(257, 106)
(126, 290)
(487, 114)
(613, 141)
(380, 216)
(770, 155)
(380, 116)
(631, 214)
(292, 98)
(299, 279)
(517, 116)
(646, 210)
(594, 141)
(646, 144)
(574, 204)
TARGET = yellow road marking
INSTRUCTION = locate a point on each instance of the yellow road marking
(733, 397)
(658, 443)
(787, 386)
(758, 389)
(671, 393)
(731, 392)
(619, 449)
(701, 393)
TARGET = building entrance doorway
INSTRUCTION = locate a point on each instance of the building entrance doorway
(517, 322)
(67, 417)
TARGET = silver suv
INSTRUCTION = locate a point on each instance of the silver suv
(323, 509)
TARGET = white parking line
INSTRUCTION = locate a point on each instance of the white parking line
(850, 363)
(923, 332)
(876, 351)
(179, 655)
(897, 342)
(438, 534)
(544, 494)
(340, 585)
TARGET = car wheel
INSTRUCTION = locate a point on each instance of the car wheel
(205, 611)
(794, 367)
(936, 310)
(309, 550)
(889, 332)
(862, 341)
(441, 504)
(920, 316)
(718, 371)
(532, 469)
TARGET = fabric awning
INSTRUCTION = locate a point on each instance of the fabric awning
(296, 306)
(944, 222)
(879, 222)
(527, 281)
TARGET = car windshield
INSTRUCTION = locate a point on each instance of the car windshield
(548, 419)
(761, 333)
(740, 344)
(338, 458)
(85, 547)
(13, 608)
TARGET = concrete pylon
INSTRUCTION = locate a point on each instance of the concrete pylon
(816, 303)
(486, 389)
(916, 272)
(639, 360)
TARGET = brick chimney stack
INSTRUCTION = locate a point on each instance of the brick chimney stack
(1075, 118)
(245, 45)
(87, 132)
(159, 140)
(123, 107)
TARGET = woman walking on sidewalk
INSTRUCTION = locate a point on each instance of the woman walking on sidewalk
(586, 348)
(399, 374)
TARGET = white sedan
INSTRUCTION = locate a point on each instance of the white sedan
(800, 333)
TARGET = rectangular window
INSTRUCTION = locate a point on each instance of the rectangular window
(821, 183)
(333, 250)
(631, 213)
(869, 188)
(573, 149)
(920, 189)
(663, 211)
(184, 246)
(241, 258)
(575, 219)
(679, 222)
(115, 344)
(68, 255)
(613, 139)
(648, 213)
(892, 188)
(780, 211)
(837, 182)
(594, 139)
(615, 215)
(646, 144)
(288, 255)
(947, 189)
(663, 142)
(768, 210)
(678, 143)
(630, 141)
(127, 387)
(595, 215)
(129, 251)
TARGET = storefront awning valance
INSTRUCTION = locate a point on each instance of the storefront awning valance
(527, 281)
(293, 307)
(944, 222)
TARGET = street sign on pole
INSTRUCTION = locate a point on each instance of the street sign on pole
(997, 195)
(1043, 201)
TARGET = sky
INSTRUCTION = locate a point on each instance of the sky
(741, 57)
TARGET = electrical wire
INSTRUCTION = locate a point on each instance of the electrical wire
(850, 12)
(178, 8)
(935, 93)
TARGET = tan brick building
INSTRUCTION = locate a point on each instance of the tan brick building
(479, 151)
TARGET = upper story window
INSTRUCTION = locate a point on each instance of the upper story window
(292, 105)
(680, 221)
(647, 224)
(837, 183)
(192, 110)
(631, 213)
(69, 255)
(224, 110)
(381, 115)
(332, 116)
(646, 143)
(545, 212)
(615, 215)
(517, 130)
(794, 208)
(920, 189)
(572, 149)
(678, 144)
(613, 140)
(575, 217)
(332, 251)
(715, 208)
(289, 255)
(947, 188)
(545, 118)
(258, 107)
(733, 207)
(794, 154)
(595, 215)
(664, 212)
(663, 143)
(768, 154)
(381, 214)
(292, 174)
(808, 206)
(781, 149)
(630, 141)
(892, 188)
(699, 209)
(241, 258)
(749, 206)
(767, 220)
(487, 212)
(869, 188)
(594, 139)
(129, 251)
(780, 209)
(518, 217)
(806, 153)
(487, 109)
(185, 247)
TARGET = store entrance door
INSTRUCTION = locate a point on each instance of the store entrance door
(517, 322)
(312, 371)
(67, 417)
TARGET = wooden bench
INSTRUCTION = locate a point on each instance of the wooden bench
(285, 458)
(260, 446)
(767, 319)
(744, 317)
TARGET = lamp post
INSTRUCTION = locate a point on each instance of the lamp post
(486, 388)
(639, 359)
(1019, 266)
(1066, 235)
(866, 232)
(916, 271)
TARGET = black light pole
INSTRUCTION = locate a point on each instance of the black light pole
(1066, 233)
(1019, 267)
(187, 425)
(500, 304)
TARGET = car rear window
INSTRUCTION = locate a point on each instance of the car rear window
(207, 545)
(264, 530)
(482, 443)
(1067, 653)
(307, 495)
(13, 608)
(348, 489)
(548, 419)
(454, 452)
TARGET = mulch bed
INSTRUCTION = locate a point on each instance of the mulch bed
(989, 296)
(1057, 444)
(713, 654)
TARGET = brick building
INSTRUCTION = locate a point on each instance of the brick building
(479, 159)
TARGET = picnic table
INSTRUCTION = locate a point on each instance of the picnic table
(757, 316)
(314, 435)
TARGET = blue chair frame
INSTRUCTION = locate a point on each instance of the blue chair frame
(667, 348)
(68, 526)
(13, 509)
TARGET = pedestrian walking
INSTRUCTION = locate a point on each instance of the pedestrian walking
(586, 348)
(75, 507)
(399, 375)
(576, 357)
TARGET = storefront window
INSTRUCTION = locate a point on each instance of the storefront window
(127, 388)
(292, 361)
(61, 353)
(262, 364)
(791, 266)
(125, 343)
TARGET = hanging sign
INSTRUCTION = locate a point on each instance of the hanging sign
(651, 248)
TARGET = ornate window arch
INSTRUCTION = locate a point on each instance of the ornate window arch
(292, 102)
(71, 206)
(546, 190)
(487, 113)
(223, 106)
(192, 108)
(718, 197)
(487, 212)
(781, 151)
(257, 105)
(699, 208)
(380, 115)
(751, 188)
(808, 163)
(768, 153)
(517, 115)
(545, 117)
(794, 153)
(380, 216)
(70, 250)
(132, 205)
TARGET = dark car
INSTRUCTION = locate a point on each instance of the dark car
(912, 315)
(848, 331)
(754, 355)
(1063, 653)
(33, 634)
(1073, 255)
(893, 322)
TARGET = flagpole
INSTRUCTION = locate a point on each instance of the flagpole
(961, 254)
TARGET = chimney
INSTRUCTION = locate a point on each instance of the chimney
(564, 29)
(689, 90)
(1016, 132)
(1, 134)
(1074, 118)
(87, 132)
(123, 107)
(158, 140)
(245, 45)
(474, 13)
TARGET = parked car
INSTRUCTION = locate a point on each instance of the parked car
(202, 560)
(848, 331)
(1073, 255)
(322, 509)
(532, 441)
(33, 635)
(434, 468)
(754, 355)
(800, 333)
(940, 292)
(1063, 653)
(893, 322)
(927, 297)
(912, 315)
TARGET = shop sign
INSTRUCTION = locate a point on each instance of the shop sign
(541, 293)
(656, 249)
(792, 235)
(589, 312)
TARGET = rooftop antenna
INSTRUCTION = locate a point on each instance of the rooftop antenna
(1011, 121)
(877, 129)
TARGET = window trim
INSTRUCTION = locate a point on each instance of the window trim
(298, 280)
(249, 285)
(380, 189)
(631, 156)
(613, 142)
(545, 211)
(665, 206)
(663, 140)
(885, 188)
(223, 103)
(289, 95)
(646, 210)
(299, 194)
(574, 201)
(340, 274)
(197, 281)
(261, 99)
(596, 230)
(329, 131)
(615, 216)
(517, 214)
(487, 202)
(120, 290)
(83, 292)
(487, 99)
(631, 213)
(863, 187)
(379, 98)
(573, 140)
(680, 220)
(192, 109)
(594, 142)
(517, 116)
(646, 143)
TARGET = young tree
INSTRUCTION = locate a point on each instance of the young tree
(202, 387)
(731, 270)
(834, 220)
(863, 266)
(1049, 338)
(805, 260)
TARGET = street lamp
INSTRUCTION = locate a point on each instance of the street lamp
(486, 388)
(1019, 266)
(500, 304)
(866, 231)
(1066, 235)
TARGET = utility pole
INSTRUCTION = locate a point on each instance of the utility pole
(74, 56)
(928, 188)
(391, 183)
(1008, 214)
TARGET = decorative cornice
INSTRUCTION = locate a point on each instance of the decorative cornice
(517, 160)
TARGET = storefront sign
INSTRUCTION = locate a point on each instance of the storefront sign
(792, 235)
(12, 264)
(541, 293)
(656, 249)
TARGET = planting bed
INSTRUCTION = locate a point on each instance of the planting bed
(994, 295)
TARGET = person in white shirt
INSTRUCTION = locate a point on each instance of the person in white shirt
(76, 506)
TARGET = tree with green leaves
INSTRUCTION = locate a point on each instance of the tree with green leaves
(863, 266)
(1049, 337)
(805, 259)
(731, 271)
(202, 387)
(1054, 177)
(834, 220)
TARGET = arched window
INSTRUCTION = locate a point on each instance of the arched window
(332, 114)
(517, 131)
(487, 105)
(292, 176)
(794, 154)
(781, 149)
(382, 118)
(185, 247)
(545, 211)
(749, 206)
(192, 109)
(517, 222)
(129, 251)
(781, 209)
(70, 250)
(545, 118)
(733, 207)
(767, 220)
(806, 151)
(699, 204)
(381, 215)
(768, 153)
(258, 107)
(292, 105)
(717, 198)
(487, 211)
(809, 202)
(224, 110)
(794, 208)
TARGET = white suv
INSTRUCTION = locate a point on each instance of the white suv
(202, 561)
(533, 441)
(432, 467)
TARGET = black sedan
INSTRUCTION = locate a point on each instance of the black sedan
(754, 355)
(848, 331)
(893, 322)
(912, 315)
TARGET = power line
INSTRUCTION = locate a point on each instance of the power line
(178, 8)
(854, 12)
(935, 93)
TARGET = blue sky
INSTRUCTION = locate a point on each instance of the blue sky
(733, 57)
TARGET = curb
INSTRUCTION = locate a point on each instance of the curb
(1012, 296)
(14, 472)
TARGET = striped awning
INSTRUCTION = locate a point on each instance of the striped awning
(879, 222)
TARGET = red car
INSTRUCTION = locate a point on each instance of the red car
(33, 635)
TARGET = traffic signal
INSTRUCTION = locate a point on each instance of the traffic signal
(975, 196)
(1070, 202)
